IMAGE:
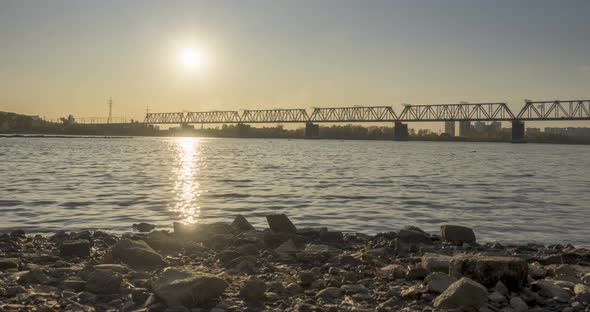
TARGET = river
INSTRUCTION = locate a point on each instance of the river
(505, 192)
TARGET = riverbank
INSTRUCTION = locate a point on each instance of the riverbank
(234, 267)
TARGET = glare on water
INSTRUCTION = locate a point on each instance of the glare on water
(186, 186)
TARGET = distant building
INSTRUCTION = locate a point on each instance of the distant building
(534, 131)
(450, 128)
(465, 128)
(570, 131)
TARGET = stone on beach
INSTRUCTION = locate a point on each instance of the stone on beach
(457, 234)
(137, 253)
(582, 293)
(489, 270)
(184, 286)
(143, 227)
(104, 282)
(465, 293)
(240, 224)
(280, 223)
(438, 282)
(75, 248)
(548, 289)
(253, 289)
(436, 262)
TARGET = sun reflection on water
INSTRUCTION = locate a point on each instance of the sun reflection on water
(186, 187)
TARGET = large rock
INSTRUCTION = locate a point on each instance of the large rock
(240, 224)
(183, 286)
(253, 289)
(457, 234)
(548, 289)
(104, 282)
(75, 248)
(137, 253)
(489, 270)
(465, 294)
(281, 223)
(408, 236)
(143, 227)
(582, 293)
(438, 282)
(436, 263)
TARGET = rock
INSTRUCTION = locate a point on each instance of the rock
(501, 288)
(183, 286)
(393, 271)
(413, 293)
(112, 267)
(294, 289)
(354, 289)
(417, 274)
(280, 223)
(306, 278)
(137, 253)
(240, 224)
(566, 272)
(496, 297)
(277, 288)
(548, 289)
(104, 282)
(436, 262)
(143, 227)
(457, 234)
(331, 237)
(75, 248)
(413, 237)
(9, 263)
(253, 289)
(73, 284)
(287, 248)
(536, 272)
(582, 293)
(438, 282)
(34, 276)
(518, 305)
(330, 294)
(465, 293)
(488, 270)
(586, 279)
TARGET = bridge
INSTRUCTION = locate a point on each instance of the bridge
(462, 112)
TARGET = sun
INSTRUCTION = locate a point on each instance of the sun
(191, 59)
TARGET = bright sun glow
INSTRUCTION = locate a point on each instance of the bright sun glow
(192, 59)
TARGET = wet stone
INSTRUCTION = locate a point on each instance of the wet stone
(280, 223)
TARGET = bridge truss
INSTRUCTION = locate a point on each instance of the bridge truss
(539, 111)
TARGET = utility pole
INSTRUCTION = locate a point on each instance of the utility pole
(110, 118)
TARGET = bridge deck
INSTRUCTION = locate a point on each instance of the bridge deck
(537, 111)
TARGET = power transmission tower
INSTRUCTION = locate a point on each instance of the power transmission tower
(110, 118)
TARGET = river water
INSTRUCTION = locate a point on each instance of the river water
(506, 192)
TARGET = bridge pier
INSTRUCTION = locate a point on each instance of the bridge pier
(400, 131)
(312, 131)
(518, 131)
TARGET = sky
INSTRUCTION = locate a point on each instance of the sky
(69, 57)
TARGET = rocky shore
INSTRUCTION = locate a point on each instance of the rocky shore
(235, 267)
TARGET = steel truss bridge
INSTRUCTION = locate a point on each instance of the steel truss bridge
(532, 111)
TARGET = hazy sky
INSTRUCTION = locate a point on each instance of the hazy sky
(59, 57)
